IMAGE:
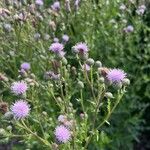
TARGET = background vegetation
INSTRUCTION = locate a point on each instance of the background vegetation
(100, 24)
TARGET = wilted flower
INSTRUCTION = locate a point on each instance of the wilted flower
(86, 67)
(62, 134)
(19, 87)
(3, 107)
(141, 9)
(20, 109)
(67, 5)
(25, 66)
(3, 77)
(56, 6)
(80, 48)
(116, 75)
(51, 75)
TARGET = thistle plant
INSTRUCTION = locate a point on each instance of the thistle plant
(55, 95)
(92, 92)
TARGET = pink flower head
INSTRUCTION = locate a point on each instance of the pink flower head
(25, 66)
(65, 38)
(20, 109)
(116, 75)
(39, 2)
(62, 134)
(80, 48)
(56, 40)
(56, 47)
(19, 87)
(128, 29)
(56, 6)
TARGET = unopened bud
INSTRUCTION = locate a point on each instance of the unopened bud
(80, 85)
(126, 81)
(8, 115)
(101, 80)
(108, 95)
(2, 132)
(98, 64)
(64, 61)
(9, 128)
(90, 61)
(118, 85)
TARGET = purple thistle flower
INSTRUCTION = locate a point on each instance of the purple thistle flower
(62, 134)
(80, 48)
(25, 66)
(141, 9)
(76, 4)
(19, 87)
(20, 109)
(65, 38)
(56, 47)
(56, 40)
(39, 2)
(128, 29)
(56, 6)
(116, 75)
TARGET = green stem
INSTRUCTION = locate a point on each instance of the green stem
(33, 134)
(105, 119)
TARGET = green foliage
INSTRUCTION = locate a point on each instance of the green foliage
(100, 24)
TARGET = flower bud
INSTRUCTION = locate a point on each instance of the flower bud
(101, 80)
(8, 115)
(9, 128)
(80, 85)
(108, 95)
(90, 61)
(44, 113)
(98, 64)
(59, 99)
(2, 132)
(126, 81)
(37, 36)
(7, 27)
(46, 37)
(54, 146)
(118, 85)
(64, 61)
